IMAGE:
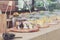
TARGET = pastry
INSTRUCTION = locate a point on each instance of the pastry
(27, 25)
(52, 20)
(58, 17)
(15, 14)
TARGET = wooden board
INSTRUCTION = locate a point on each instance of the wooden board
(2, 23)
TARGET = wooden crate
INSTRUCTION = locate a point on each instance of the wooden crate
(3, 24)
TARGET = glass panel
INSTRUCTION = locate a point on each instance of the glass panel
(24, 4)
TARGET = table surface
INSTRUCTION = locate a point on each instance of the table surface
(28, 36)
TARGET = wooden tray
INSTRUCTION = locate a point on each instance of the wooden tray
(23, 30)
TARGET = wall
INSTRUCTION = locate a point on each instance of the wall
(3, 5)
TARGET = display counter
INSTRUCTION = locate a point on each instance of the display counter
(35, 18)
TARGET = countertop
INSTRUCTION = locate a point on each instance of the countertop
(28, 36)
